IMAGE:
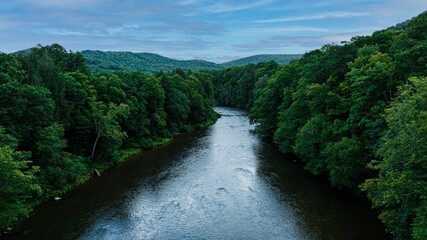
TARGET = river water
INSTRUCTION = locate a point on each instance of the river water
(220, 183)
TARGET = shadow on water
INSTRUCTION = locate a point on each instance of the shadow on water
(324, 212)
(70, 217)
(220, 183)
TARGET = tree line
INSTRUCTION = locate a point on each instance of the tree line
(354, 112)
(110, 62)
(58, 122)
(99, 62)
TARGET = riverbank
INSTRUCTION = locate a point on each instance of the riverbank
(59, 122)
(96, 170)
(223, 182)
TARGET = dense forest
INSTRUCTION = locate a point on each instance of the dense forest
(278, 58)
(99, 62)
(59, 123)
(355, 113)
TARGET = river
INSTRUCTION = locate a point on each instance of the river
(220, 183)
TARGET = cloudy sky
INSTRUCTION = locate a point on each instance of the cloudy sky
(214, 30)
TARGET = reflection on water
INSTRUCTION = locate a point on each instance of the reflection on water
(221, 183)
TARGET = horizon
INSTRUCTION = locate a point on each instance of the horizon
(214, 31)
(194, 58)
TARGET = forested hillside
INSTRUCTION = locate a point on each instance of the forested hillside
(99, 62)
(355, 113)
(58, 122)
(278, 58)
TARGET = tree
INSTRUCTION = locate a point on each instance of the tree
(344, 162)
(10, 69)
(271, 95)
(17, 182)
(75, 112)
(400, 190)
(417, 27)
(154, 99)
(310, 141)
(293, 116)
(58, 169)
(365, 91)
(49, 145)
(106, 122)
(177, 102)
(200, 110)
(24, 111)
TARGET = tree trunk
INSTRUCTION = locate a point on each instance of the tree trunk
(94, 145)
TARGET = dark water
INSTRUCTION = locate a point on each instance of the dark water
(221, 183)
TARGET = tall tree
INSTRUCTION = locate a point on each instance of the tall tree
(400, 190)
(106, 122)
(17, 182)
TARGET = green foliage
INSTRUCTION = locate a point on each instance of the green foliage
(291, 116)
(75, 112)
(49, 145)
(278, 58)
(270, 95)
(417, 27)
(10, 69)
(106, 123)
(59, 170)
(154, 101)
(99, 62)
(328, 108)
(25, 110)
(58, 122)
(235, 86)
(17, 182)
(177, 102)
(344, 162)
(109, 62)
(400, 189)
(309, 142)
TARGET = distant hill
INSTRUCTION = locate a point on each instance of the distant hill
(99, 61)
(23, 52)
(279, 58)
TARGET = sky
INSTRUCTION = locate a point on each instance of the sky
(212, 30)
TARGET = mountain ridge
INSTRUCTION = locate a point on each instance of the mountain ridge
(99, 61)
(279, 58)
(109, 61)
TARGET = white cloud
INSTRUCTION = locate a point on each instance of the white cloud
(59, 32)
(64, 3)
(315, 17)
(276, 30)
(188, 2)
(210, 29)
(222, 7)
(302, 41)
